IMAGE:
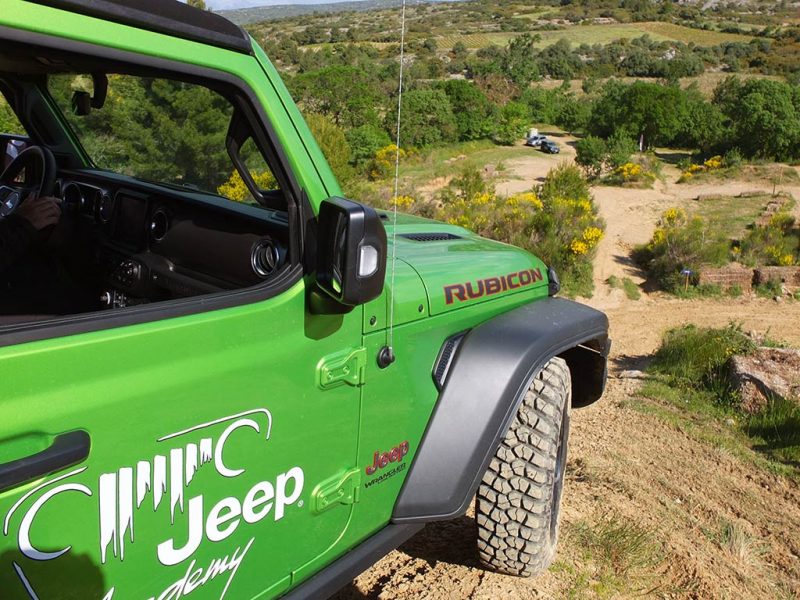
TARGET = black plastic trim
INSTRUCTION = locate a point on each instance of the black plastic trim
(163, 16)
(85, 323)
(494, 366)
(67, 449)
(339, 573)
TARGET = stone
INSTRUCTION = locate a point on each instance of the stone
(633, 374)
(765, 374)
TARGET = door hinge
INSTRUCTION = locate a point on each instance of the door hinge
(341, 489)
(346, 367)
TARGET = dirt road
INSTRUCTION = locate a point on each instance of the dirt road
(721, 527)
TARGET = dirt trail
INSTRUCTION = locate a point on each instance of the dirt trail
(632, 466)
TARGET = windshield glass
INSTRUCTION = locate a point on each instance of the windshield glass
(160, 130)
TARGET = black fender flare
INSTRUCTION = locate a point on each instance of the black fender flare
(490, 371)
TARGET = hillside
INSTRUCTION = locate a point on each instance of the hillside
(246, 16)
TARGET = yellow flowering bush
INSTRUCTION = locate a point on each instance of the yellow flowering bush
(715, 162)
(681, 243)
(383, 163)
(579, 247)
(235, 189)
(777, 243)
(631, 173)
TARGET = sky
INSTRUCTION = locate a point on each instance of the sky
(225, 4)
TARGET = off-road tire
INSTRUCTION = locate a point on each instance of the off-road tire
(519, 499)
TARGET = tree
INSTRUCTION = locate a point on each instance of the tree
(648, 111)
(364, 142)
(427, 118)
(559, 61)
(513, 121)
(573, 114)
(519, 60)
(333, 143)
(197, 4)
(590, 155)
(764, 116)
(473, 112)
(348, 95)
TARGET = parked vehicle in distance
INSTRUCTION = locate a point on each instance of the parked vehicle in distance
(549, 147)
(213, 386)
(535, 141)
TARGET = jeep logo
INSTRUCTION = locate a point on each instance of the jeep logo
(381, 460)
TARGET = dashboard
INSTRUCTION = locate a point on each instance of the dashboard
(149, 242)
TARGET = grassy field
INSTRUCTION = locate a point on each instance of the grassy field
(732, 215)
(600, 34)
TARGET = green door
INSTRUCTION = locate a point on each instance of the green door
(208, 434)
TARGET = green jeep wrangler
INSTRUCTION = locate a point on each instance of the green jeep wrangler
(213, 386)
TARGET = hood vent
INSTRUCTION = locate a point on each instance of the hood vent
(430, 237)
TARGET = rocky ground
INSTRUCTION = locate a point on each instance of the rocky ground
(687, 517)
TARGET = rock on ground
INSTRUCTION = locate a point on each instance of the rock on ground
(768, 373)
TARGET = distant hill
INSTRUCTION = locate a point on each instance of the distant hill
(244, 16)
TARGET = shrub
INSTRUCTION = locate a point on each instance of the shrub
(697, 357)
(235, 189)
(591, 155)
(776, 244)
(680, 243)
(333, 143)
(513, 120)
(558, 222)
(382, 164)
(619, 149)
(364, 142)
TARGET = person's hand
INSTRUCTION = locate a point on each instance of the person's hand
(40, 212)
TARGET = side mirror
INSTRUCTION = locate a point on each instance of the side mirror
(12, 146)
(351, 255)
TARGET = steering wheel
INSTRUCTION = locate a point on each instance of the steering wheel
(39, 167)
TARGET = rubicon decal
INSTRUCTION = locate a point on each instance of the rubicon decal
(463, 292)
(163, 483)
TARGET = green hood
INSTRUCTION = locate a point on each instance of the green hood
(459, 268)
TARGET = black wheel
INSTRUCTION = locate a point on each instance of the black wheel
(519, 499)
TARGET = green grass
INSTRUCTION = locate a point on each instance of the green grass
(598, 34)
(619, 557)
(627, 285)
(690, 391)
(730, 214)
(776, 431)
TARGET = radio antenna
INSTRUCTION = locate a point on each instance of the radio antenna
(387, 355)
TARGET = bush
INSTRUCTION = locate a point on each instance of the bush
(591, 155)
(697, 357)
(364, 142)
(333, 143)
(680, 243)
(558, 222)
(777, 244)
(513, 121)
(619, 149)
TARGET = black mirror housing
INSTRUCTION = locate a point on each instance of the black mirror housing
(351, 254)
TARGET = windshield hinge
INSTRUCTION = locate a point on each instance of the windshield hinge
(346, 367)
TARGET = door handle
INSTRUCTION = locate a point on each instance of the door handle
(67, 449)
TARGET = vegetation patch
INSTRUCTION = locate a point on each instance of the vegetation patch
(558, 220)
(619, 557)
(692, 389)
(627, 285)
